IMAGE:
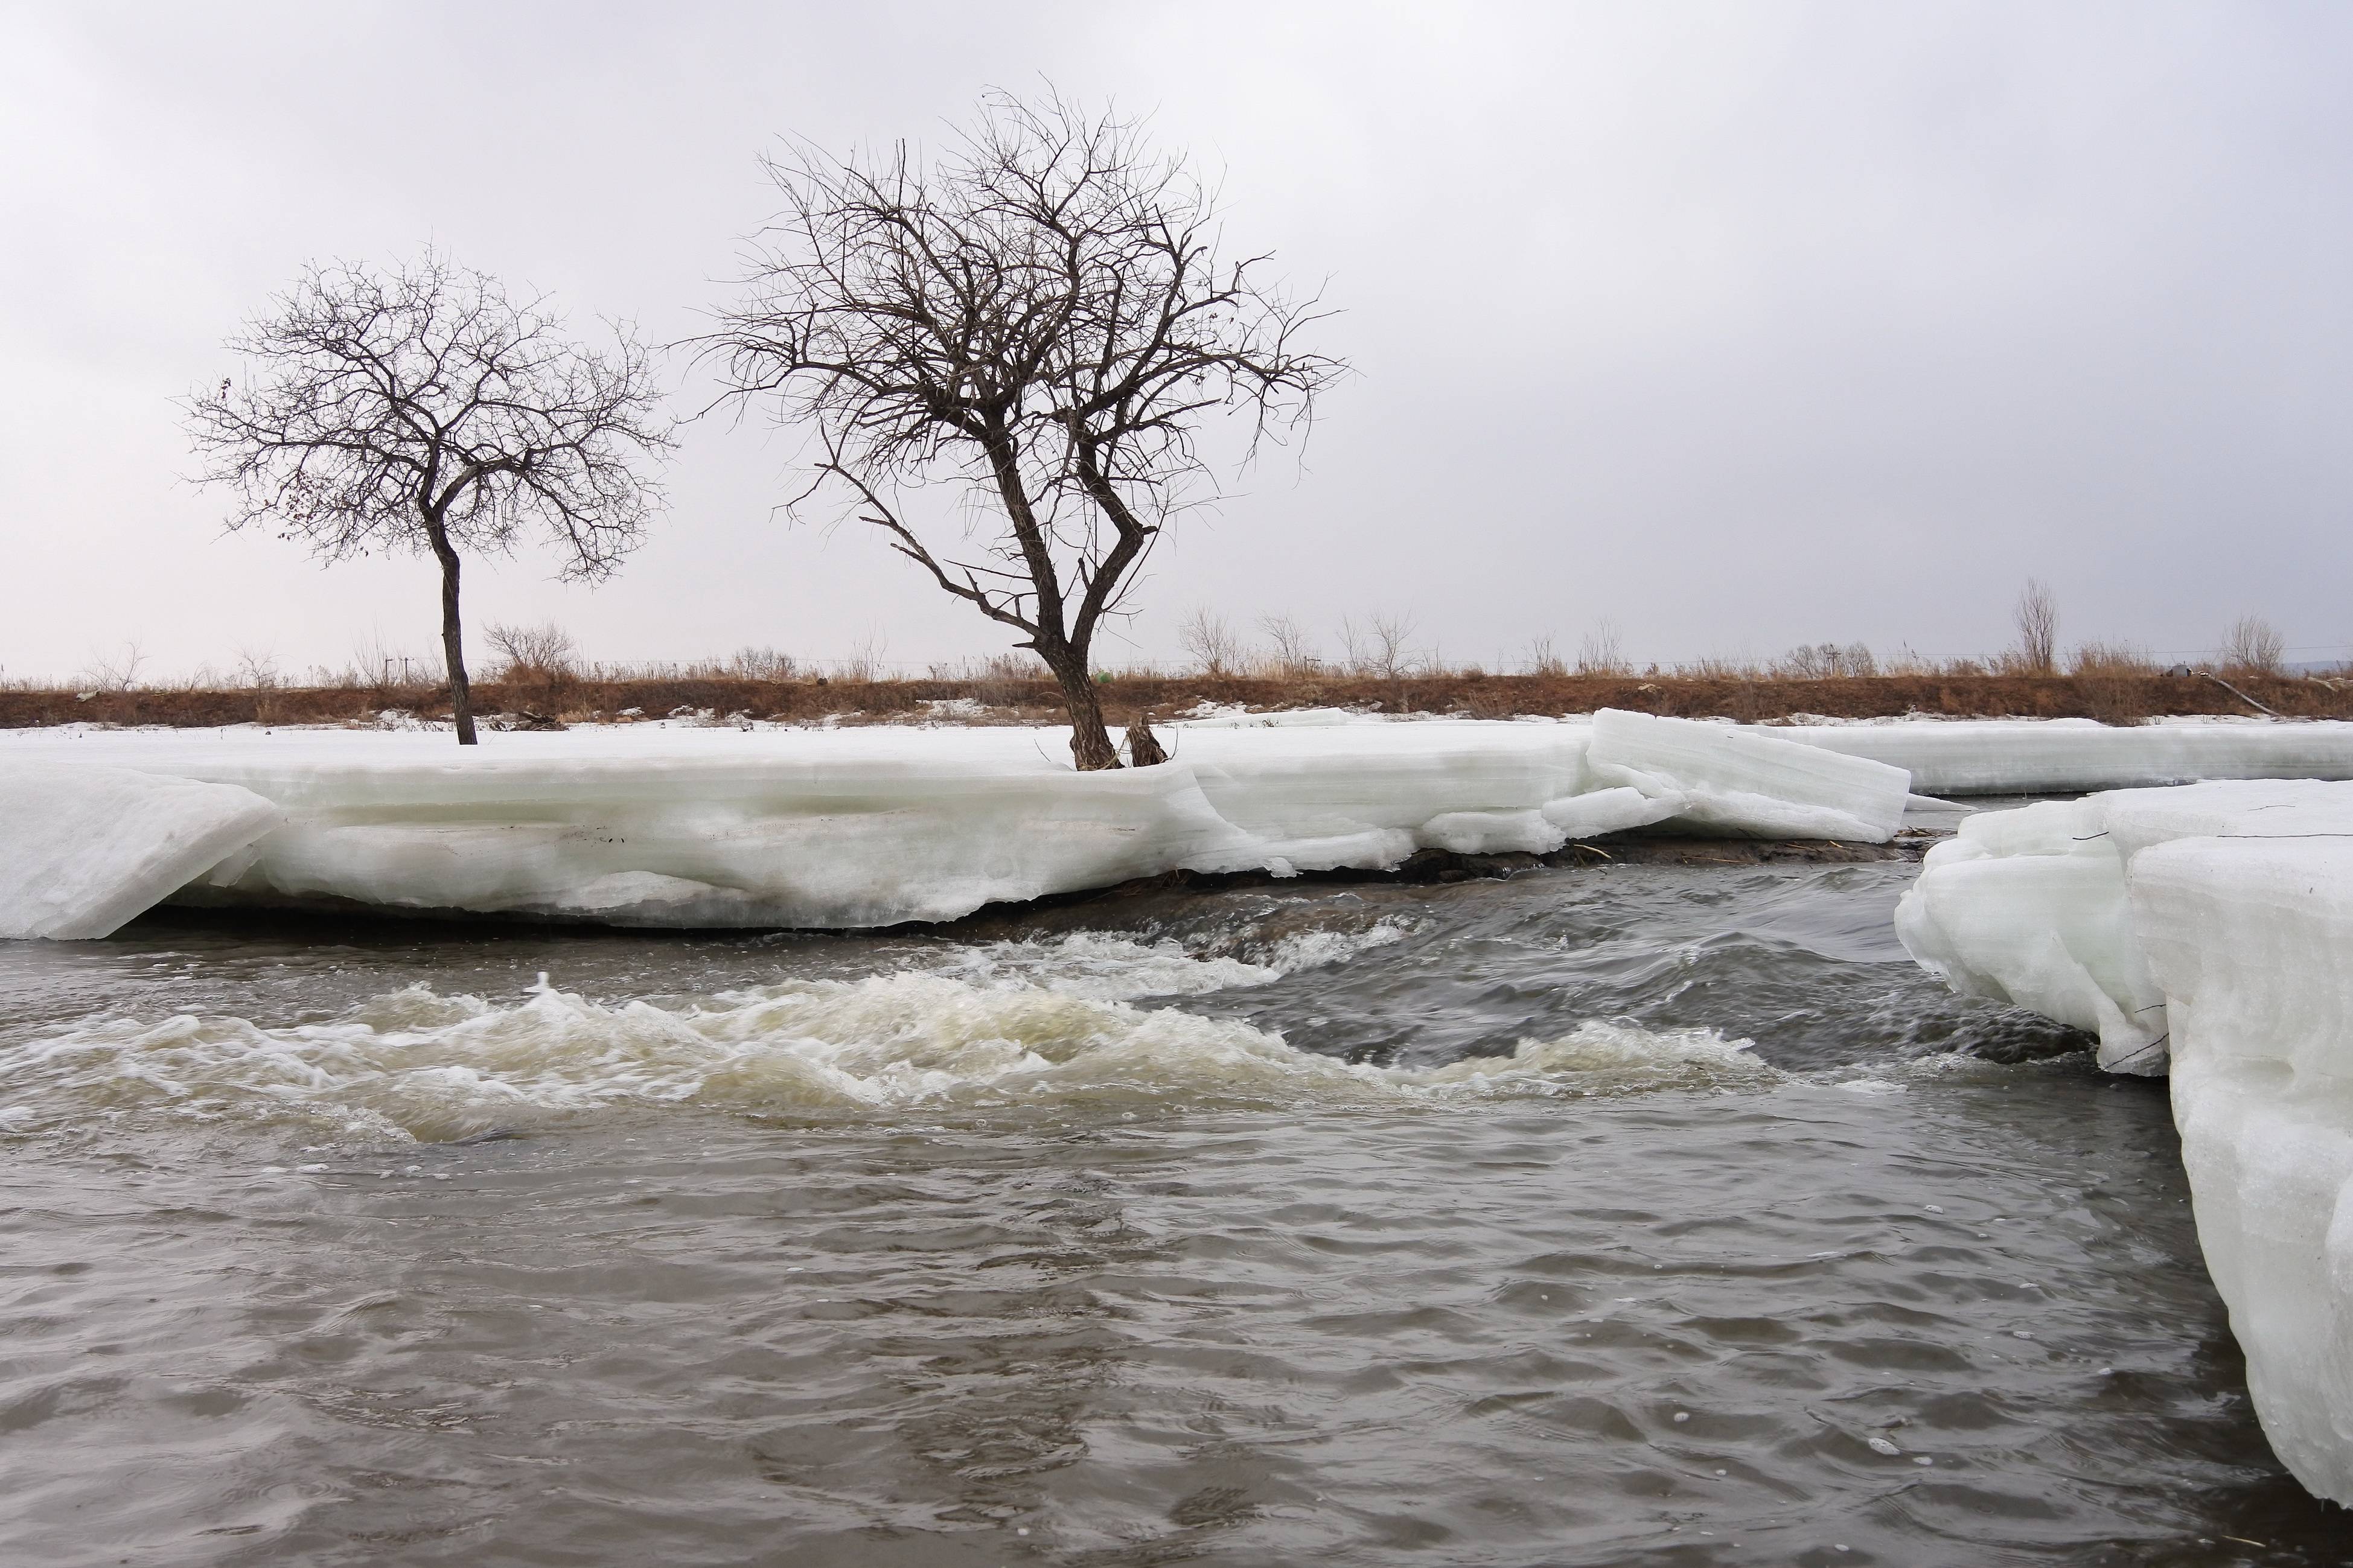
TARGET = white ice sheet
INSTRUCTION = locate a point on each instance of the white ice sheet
(865, 827)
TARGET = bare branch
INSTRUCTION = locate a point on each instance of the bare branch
(422, 410)
(1041, 319)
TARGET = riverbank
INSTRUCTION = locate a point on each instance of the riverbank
(2108, 698)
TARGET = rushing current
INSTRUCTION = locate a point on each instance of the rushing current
(1621, 1215)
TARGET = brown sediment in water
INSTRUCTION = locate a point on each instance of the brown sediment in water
(2113, 698)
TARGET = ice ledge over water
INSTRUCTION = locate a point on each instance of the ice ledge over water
(84, 848)
(872, 826)
(2063, 756)
(2215, 922)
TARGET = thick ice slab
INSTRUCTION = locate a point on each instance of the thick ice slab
(2065, 756)
(2251, 941)
(2028, 907)
(2215, 920)
(648, 826)
(83, 848)
(1750, 780)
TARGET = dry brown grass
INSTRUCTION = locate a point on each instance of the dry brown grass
(2113, 691)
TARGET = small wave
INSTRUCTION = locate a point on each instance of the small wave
(1103, 968)
(1109, 968)
(416, 1064)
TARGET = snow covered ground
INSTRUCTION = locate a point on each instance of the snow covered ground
(2213, 923)
(656, 826)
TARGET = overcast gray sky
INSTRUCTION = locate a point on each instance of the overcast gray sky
(1738, 325)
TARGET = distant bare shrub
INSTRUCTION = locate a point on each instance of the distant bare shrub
(1543, 661)
(532, 653)
(1292, 652)
(1826, 661)
(1599, 654)
(1379, 648)
(2037, 620)
(865, 665)
(2111, 659)
(257, 670)
(1211, 643)
(763, 663)
(1003, 678)
(2252, 645)
(114, 671)
(386, 671)
(1719, 666)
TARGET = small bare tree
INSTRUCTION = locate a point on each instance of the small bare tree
(115, 672)
(2037, 618)
(2252, 645)
(1379, 648)
(424, 410)
(1599, 653)
(864, 665)
(257, 668)
(533, 653)
(1293, 651)
(763, 663)
(1040, 317)
(1827, 661)
(1211, 642)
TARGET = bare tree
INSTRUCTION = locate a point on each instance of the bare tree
(1543, 661)
(108, 672)
(1826, 661)
(2252, 645)
(1293, 649)
(1211, 643)
(1040, 317)
(424, 410)
(1379, 648)
(542, 652)
(2037, 618)
(763, 663)
(257, 668)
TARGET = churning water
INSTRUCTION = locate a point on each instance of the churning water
(1635, 1214)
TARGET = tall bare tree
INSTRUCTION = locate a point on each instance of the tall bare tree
(2037, 616)
(422, 409)
(1040, 317)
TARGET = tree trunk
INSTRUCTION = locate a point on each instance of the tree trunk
(453, 640)
(1090, 747)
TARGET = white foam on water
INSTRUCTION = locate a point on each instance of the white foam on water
(416, 1064)
(1101, 968)
(1109, 968)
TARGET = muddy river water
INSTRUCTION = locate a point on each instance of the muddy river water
(1624, 1215)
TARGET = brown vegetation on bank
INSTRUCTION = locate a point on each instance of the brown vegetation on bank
(2111, 696)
